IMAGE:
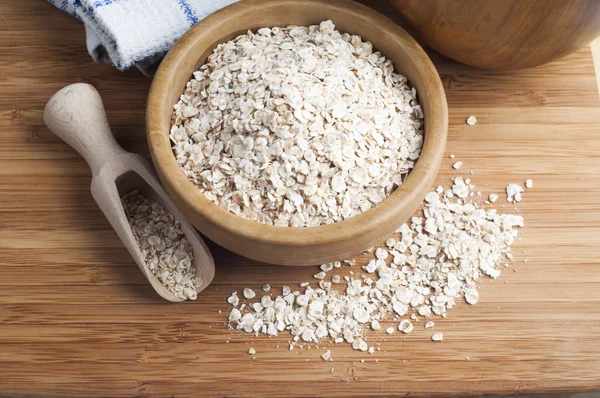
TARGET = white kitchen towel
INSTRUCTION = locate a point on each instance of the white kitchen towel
(136, 32)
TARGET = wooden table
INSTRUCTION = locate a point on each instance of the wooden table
(78, 318)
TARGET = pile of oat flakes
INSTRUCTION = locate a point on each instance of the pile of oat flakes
(297, 126)
(432, 262)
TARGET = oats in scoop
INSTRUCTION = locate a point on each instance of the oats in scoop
(164, 247)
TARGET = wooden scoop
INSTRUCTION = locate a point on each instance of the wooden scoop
(77, 116)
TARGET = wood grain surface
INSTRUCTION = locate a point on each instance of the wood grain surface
(78, 318)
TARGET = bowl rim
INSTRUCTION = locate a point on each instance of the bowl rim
(412, 190)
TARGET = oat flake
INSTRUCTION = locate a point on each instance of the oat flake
(513, 192)
(405, 326)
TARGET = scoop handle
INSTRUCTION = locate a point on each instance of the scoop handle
(76, 115)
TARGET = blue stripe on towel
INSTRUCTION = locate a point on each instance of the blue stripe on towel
(187, 10)
(101, 3)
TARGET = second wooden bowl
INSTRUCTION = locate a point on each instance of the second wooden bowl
(502, 34)
(287, 245)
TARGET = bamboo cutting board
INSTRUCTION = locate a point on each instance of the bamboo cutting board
(78, 318)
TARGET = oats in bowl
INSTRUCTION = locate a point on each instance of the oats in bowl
(297, 126)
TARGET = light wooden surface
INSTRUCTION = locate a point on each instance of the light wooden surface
(77, 116)
(77, 316)
(503, 34)
(281, 245)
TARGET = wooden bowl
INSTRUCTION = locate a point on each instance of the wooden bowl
(502, 34)
(289, 245)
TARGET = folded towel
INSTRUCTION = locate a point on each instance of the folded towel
(136, 32)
